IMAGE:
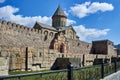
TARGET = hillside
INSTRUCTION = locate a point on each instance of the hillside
(117, 46)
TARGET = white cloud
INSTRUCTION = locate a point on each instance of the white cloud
(70, 22)
(2, 1)
(82, 10)
(8, 13)
(66, 13)
(85, 33)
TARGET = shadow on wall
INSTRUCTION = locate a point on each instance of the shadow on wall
(62, 63)
(52, 42)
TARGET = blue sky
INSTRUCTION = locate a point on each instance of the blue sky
(92, 19)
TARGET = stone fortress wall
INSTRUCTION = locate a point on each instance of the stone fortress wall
(17, 40)
(37, 60)
(15, 35)
(20, 36)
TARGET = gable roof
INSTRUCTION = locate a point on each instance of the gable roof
(52, 28)
(46, 26)
(66, 28)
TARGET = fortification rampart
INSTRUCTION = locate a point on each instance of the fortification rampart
(21, 36)
(18, 35)
(21, 28)
(15, 38)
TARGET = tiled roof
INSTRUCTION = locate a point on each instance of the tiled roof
(46, 26)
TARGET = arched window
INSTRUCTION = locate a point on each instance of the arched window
(0, 54)
(51, 34)
(78, 44)
(62, 23)
(71, 34)
(40, 54)
(46, 35)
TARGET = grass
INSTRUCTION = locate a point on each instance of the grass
(24, 72)
(53, 76)
(82, 74)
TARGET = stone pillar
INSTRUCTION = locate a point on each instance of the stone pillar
(3, 66)
(84, 60)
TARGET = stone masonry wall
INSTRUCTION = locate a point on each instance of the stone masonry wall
(78, 47)
(16, 35)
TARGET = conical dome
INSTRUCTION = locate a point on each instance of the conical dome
(59, 12)
(59, 18)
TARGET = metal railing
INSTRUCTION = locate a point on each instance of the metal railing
(95, 72)
(50, 75)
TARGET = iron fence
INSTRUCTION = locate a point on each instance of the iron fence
(51, 75)
(95, 72)
(87, 73)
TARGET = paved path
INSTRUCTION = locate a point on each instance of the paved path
(114, 76)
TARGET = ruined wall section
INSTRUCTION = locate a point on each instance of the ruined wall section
(104, 47)
(37, 59)
(100, 47)
(13, 55)
(12, 34)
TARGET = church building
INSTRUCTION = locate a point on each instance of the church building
(63, 34)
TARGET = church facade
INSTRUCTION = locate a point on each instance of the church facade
(37, 48)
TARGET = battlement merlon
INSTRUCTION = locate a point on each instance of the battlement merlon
(4, 23)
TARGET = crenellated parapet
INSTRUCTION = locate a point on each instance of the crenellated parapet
(18, 27)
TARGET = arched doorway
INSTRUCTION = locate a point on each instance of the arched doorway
(62, 48)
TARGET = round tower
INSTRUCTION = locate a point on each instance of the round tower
(59, 18)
